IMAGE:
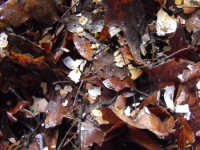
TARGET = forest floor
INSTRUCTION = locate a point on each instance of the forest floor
(99, 75)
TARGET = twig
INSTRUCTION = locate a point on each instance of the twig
(138, 91)
(70, 139)
(181, 50)
(61, 143)
(12, 90)
(100, 51)
(70, 8)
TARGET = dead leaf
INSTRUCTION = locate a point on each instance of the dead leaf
(104, 34)
(168, 71)
(193, 23)
(83, 46)
(186, 135)
(116, 84)
(148, 121)
(55, 114)
(128, 16)
(90, 134)
(27, 61)
(14, 13)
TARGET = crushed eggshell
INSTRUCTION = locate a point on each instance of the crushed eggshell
(198, 134)
(127, 111)
(12, 140)
(113, 31)
(3, 40)
(165, 24)
(198, 85)
(65, 49)
(39, 105)
(82, 65)
(94, 92)
(65, 91)
(65, 103)
(95, 46)
(135, 72)
(146, 110)
(183, 109)
(43, 85)
(69, 62)
(136, 104)
(169, 96)
(189, 67)
(75, 75)
(97, 1)
(120, 103)
(97, 113)
(83, 20)
(45, 148)
(79, 15)
(57, 87)
(145, 38)
(178, 2)
(120, 60)
(79, 31)
(180, 77)
(143, 49)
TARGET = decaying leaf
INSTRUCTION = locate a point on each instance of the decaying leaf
(15, 13)
(83, 46)
(55, 114)
(90, 134)
(128, 16)
(116, 84)
(186, 135)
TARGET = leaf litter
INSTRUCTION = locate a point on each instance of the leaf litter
(99, 74)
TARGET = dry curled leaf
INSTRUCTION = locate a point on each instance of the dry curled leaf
(186, 135)
(148, 121)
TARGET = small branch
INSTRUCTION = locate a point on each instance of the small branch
(61, 143)
(70, 8)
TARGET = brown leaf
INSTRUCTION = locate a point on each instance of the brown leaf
(27, 61)
(186, 136)
(167, 72)
(193, 22)
(191, 73)
(51, 138)
(17, 42)
(148, 121)
(14, 13)
(130, 137)
(90, 134)
(83, 46)
(178, 41)
(55, 114)
(128, 16)
(20, 105)
(104, 34)
(116, 84)
(126, 52)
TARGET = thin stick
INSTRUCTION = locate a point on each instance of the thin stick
(61, 143)
(70, 8)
